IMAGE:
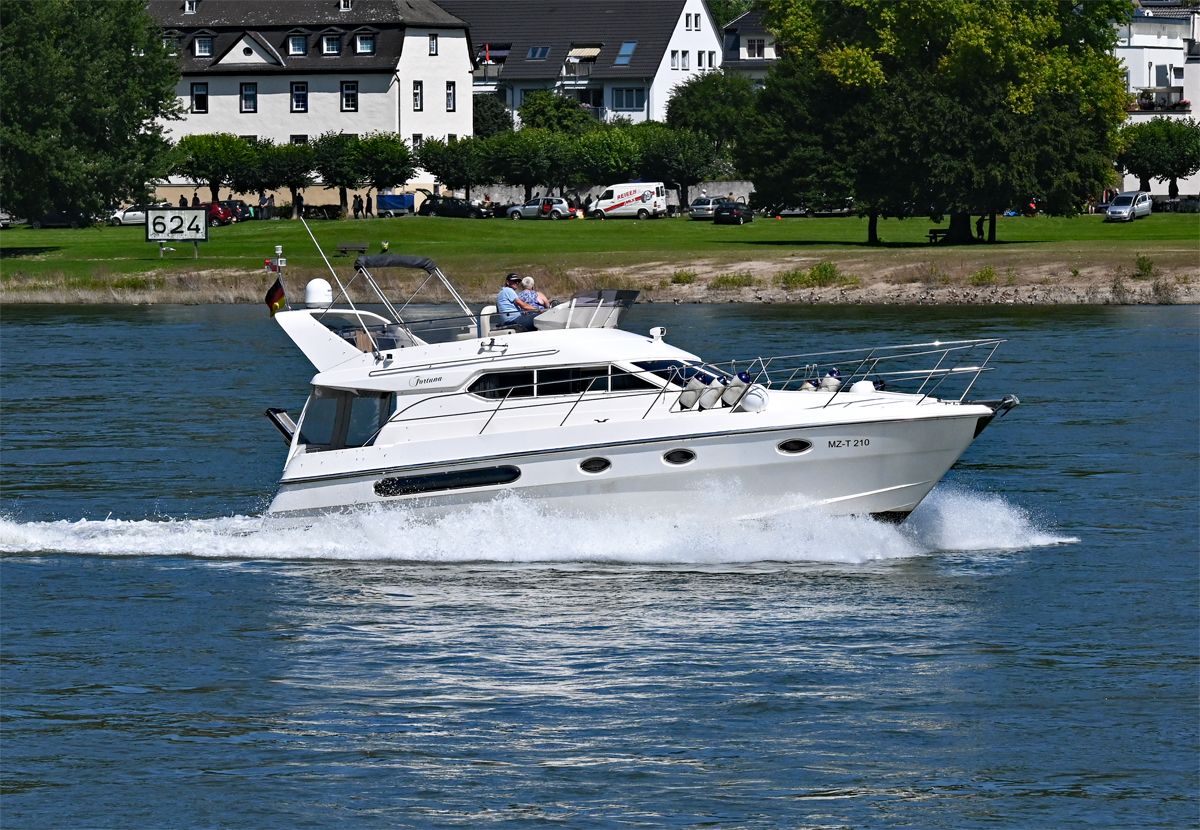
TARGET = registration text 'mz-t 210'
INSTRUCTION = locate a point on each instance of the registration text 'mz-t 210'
(177, 225)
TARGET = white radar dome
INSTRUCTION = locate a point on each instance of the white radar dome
(318, 294)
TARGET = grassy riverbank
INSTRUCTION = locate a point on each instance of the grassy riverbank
(669, 259)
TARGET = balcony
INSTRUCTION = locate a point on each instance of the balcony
(1159, 99)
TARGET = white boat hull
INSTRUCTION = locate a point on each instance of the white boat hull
(882, 467)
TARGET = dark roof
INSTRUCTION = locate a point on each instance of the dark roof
(561, 24)
(271, 22)
(270, 14)
(749, 23)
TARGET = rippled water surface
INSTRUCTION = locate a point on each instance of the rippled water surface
(1023, 652)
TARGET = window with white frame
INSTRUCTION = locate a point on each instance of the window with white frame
(418, 96)
(298, 139)
(674, 58)
(684, 63)
(189, 6)
(537, 53)
(625, 54)
(200, 98)
(629, 99)
(365, 44)
(331, 45)
(416, 141)
(699, 60)
(297, 45)
(346, 5)
(451, 98)
(249, 98)
(695, 23)
(349, 96)
(451, 138)
(202, 47)
(756, 47)
(687, 22)
(433, 46)
(712, 60)
(299, 97)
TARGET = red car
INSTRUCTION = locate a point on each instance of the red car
(218, 214)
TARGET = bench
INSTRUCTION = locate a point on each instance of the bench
(344, 248)
(936, 234)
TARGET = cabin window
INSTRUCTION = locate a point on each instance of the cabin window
(334, 419)
(456, 480)
(622, 381)
(497, 385)
(567, 380)
(679, 457)
(572, 381)
(794, 446)
(595, 465)
(678, 372)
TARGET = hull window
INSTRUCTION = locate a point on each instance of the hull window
(795, 446)
(456, 480)
(678, 457)
(595, 465)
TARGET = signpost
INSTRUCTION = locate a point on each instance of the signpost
(165, 225)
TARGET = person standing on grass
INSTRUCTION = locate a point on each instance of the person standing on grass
(368, 211)
(357, 206)
(270, 207)
(182, 200)
(262, 205)
(195, 199)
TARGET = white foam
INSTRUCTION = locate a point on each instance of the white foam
(513, 530)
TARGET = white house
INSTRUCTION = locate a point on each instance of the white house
(617, 57)
(749, 46)
(289, 70)
(1160, 48)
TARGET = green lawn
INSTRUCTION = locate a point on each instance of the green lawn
(475, 251)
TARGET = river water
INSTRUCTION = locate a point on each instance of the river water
(1023, 652)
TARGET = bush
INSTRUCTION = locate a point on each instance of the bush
(984, 276)
(1143, 267)
(729, 282)
(821, 275)
(683, 277)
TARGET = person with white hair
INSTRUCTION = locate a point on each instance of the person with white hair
(532, 296)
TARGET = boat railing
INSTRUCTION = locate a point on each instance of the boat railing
(919, 368)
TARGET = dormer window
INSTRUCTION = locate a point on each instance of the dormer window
(297, 45)
(365, 44)
(189, 6)
(202, 47)
(537, 53)
(331, 45)
(345, 5)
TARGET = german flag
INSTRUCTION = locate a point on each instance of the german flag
(275, 297)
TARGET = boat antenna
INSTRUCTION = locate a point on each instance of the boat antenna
(342, 288)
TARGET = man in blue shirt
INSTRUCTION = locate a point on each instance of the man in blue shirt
(513, 310)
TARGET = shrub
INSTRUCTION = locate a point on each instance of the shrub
(1143, 267)
(683, 277)
(821, 275)
(728, 282)
(984, 276)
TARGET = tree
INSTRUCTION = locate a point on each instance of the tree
(491, 116)
(249, 173)
(519, 158)
(86, 88)
(725, 11)
(681, 158)
(290, 166)
(714, 104)
(996, 84)
(385, 161)
(457, 164)
(335, 157)
(1161, 148)
(547, 110)
(213, 159)
(607, 156)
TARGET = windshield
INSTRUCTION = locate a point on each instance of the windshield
(1123, 201)
(679, 372)
(700, 201)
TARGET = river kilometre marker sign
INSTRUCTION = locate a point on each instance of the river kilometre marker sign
(165, 225)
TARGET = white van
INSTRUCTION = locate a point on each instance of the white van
(640, 199)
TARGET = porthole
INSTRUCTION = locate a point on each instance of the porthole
(247, 51)
(594, 465)
(795, 446)
(432, 482)
(679, 457)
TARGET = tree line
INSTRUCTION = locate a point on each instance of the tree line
(561, 146)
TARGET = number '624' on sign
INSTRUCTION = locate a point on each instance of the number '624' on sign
(177, 224)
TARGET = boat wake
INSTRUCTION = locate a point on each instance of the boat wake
(513, 530)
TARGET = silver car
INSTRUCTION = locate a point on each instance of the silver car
(703, 207)
(1128, 206)
(135, 215)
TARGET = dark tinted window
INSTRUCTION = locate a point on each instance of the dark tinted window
(676, 371)
(498, 384)
(795, 446)
(594, 465)
(679, 456)
(457, 480)
(622, 381)
(572, 381)
(319, 418)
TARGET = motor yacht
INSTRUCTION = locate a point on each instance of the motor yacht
(584, 417)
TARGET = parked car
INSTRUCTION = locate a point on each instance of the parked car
(545, 207)
(640, 199)
(1128, 206)
(239, 209)
(69, 218)
(6, 219)
(732, 213)
(394, 205)
(450, 206)
(218, 214)
(135, 215)
(703, 207)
